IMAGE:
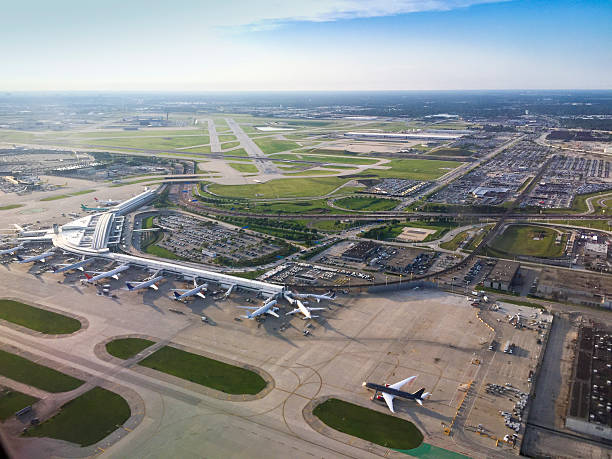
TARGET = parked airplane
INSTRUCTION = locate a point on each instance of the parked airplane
(63, 267)
(196, 291)
(267, 308)
(289, 298)
(229, 291)
(151, 282)
(304, 310)
(42, 257)
(11, 250)
(328, 296)
(107, 203)
(389, 392)
(93, 209)
(114, 273)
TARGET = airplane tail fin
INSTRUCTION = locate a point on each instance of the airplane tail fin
(87, 276)
(19, 257)
(129, 286)
(176, 295)
(421, 395)
(96, 199)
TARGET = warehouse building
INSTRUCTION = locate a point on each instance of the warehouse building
(502, 275)
(360, 252)
(588, 289)
(590, 407)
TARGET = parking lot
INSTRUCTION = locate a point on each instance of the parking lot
(206, 241)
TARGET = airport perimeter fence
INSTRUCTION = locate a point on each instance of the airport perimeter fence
(402, 286)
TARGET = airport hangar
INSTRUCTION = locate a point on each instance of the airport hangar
(92, 235)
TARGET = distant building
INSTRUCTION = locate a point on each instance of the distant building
(579, 287)
(425, 135)
(590, 407)
(361, 251)
(596, 250)
(502, 275)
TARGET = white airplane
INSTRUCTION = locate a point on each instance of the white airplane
(151, 282)
(229, 291)
(114, 273)
(195, 291)
(289, 298)
(63, 267)
(327, 296)
(389, 391)
(267, 308)
(107, 203)
(304, 310)
(11, 250)
(42, 257)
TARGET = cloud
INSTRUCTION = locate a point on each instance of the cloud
(269, 13)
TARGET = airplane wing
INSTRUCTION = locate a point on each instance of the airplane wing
(317, 309)
(247, 307)
(272, 313)
(154, 287)
(389, 399)
(293, 312)
(398, 385)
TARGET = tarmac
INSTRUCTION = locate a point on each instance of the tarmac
(360, 338)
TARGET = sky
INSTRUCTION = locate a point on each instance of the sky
(268, 45)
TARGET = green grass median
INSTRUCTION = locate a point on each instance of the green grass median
(87, 419)
(207, 372)
(373, 426)
(25, 371)
(12, 401)
(37, 319)
(125, 348)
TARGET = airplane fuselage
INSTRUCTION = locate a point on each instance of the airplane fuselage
(395, 392)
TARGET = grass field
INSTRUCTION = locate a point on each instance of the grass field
(109, 134)
(310, 173)
(327, 158)
(156, 143)
(367, 203)
(227, 138)
(297, 207)
(161, 252)
(12, 401)
(11, 206)
(37, 319)
(414, 169)
(236, 152)
(23, 370)
(249, 274)
(294, 187)
(68, 195)
(226, 145)
(269, 146)
(207, 372)
(244, 167)
(451, 152)
(373, 426)
(87, 419)
(125, 348)
(519, 240)
(455, 242)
